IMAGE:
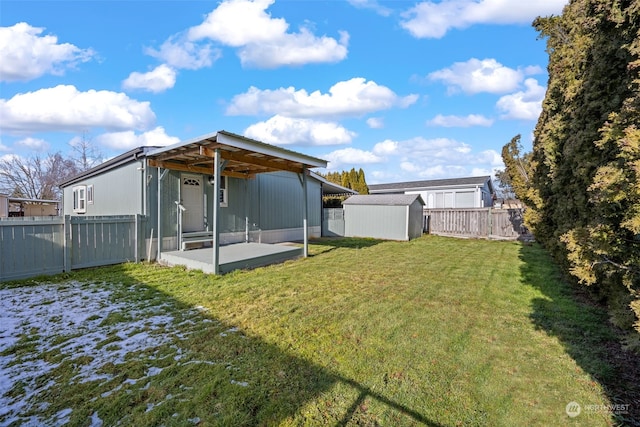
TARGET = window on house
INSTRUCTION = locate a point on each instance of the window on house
(222, 198)
(90, 194)
(223, 192)
(80, 199)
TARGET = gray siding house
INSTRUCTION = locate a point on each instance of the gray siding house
(384, 216)
(265, 194)
(469, 192)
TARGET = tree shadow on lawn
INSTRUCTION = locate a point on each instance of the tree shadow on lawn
(225, 377)
(333, 243)
(583, 327)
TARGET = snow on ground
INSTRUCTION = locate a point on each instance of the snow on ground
(74, 320)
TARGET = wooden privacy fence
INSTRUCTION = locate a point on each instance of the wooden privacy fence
(480, 222)
(33, 246)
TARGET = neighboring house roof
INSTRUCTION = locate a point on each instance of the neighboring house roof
(430, 184)
(329, 187)
(28, 200)
(384, 199)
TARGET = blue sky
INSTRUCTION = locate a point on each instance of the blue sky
(406, 90)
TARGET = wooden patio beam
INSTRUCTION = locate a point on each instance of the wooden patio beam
(251, 160)
(197, 169)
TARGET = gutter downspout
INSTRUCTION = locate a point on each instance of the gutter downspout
(161, 175)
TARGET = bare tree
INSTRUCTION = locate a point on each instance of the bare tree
(84, 153)
(35, 177)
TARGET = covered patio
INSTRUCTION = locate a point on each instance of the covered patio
(236, 256)
(231, 155)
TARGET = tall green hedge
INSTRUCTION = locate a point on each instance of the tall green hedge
(584, 194)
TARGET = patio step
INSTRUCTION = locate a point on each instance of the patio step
(196, 237)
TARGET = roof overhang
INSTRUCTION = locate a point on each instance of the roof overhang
(243, 157)
(28, 200)
(331, 188)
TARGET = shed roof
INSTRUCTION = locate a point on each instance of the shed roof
(421, 185)
(384, 199)
(244, 157)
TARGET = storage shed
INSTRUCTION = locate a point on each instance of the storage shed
(384, 216)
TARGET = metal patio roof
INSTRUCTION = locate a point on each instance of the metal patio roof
(244, 157)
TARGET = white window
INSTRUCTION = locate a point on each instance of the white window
(80, 199)
(90, 194)
(222, 198)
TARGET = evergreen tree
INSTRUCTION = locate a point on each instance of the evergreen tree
(585, 186)
(363, 188)
(344, 179)
(351, 179)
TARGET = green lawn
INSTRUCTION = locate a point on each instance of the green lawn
(436, 332)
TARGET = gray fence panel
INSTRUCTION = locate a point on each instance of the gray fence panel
(31, 246)
(97, 241)
(333, 222)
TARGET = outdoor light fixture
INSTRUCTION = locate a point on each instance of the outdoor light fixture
(211, 179)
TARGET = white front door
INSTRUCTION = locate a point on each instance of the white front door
(192, 195)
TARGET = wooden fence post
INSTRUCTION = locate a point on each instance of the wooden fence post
(489, 212)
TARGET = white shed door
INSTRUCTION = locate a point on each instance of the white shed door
(192, 195)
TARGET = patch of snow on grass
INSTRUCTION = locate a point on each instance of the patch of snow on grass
(70, 321)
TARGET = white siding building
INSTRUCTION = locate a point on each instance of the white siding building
(470, 192)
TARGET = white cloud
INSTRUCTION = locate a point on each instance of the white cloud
(34, 144)
(280, 130)
(409, 167)
(475, 76)
(460, 121)
(350, 156)
(129, 139)
(432, 149)
(420, 158)
(385, 148)
(416, 158)
(525, 105)
(371, 4)
(347, 98)
(263, 41)
(240, 22)
(25, 54)
(181, 53)
(295, 49)
(375, 122)
(157, 80)
(433, 20)
(64, 108)
(483, 171)
(9, 157)
(3, 147)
